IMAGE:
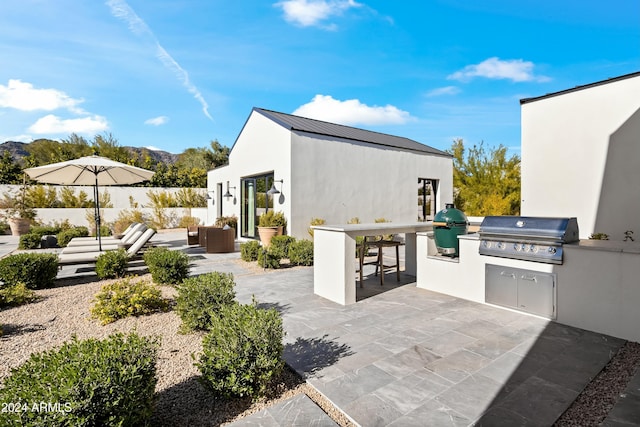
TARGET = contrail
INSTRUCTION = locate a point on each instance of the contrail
(120, 9)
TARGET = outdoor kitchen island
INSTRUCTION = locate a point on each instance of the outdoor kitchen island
(597, 286)
(334, 257)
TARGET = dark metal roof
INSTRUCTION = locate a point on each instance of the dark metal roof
(577, 88)
(303, 124)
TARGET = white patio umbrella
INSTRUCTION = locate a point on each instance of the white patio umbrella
(90, 170)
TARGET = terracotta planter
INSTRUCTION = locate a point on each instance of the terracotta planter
(19, 226)
(266, 233)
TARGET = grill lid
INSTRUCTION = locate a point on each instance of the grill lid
(559, 230)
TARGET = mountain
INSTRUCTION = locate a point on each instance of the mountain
(18, 150)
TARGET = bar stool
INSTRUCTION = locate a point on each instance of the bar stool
(379, 243)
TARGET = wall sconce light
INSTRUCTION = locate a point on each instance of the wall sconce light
(273, 190)
(228, 193)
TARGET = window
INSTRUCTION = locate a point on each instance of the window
(427, 192)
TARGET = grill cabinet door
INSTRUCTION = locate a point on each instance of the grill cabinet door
(501, 285)
(524, 290)
(536, 293)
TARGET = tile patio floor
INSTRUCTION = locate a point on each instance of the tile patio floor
(408, 356)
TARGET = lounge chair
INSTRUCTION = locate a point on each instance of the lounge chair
(91, 256)
(127, 240)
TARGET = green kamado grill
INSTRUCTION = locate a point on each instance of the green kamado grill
(448, 224)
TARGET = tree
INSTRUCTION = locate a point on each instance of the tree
(485, 182)
(204, 158)
(10, 171)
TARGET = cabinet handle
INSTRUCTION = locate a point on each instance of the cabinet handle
(531, 279)
(504, 273)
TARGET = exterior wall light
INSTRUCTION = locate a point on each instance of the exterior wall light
(228, 193)
(273, 190)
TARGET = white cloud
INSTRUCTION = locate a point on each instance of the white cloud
(307, 13)
(351, 112)
(51, 124)
(157, 121)
(446, 90)
(495, 68)
(23, 96)
(121, 10)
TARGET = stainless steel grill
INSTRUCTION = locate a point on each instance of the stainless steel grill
(537, 239)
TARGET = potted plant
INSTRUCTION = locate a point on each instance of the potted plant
(18, 213)
(271, 224)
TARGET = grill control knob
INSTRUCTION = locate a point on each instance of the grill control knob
(552, 250)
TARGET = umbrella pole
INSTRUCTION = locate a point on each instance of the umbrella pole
(97, 203)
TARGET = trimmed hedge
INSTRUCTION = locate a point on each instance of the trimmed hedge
(200, 298)
(35, 270)
(86, 383)
(167, 266)
(280, 245)
(29, 241)
(249, 250)
(301, 252)
(64, 237)
(270, 257)
(242, 352)
(45, 230)
(112, 264)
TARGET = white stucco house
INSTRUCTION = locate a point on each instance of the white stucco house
(325, 170)
(581, 156)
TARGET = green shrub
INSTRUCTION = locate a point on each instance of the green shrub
(280, 244)
(112, 264)
(249, 250)
(315, 221)
(201, 297)
(35, 270)
(46, 230)
(301, 252)
(65, 236)
(125, 298)
(272, 219)
(17, 294)
(242, 352)
(105, 231)
(29, 241)
(167, 266)
(270, 257)
(91, 382)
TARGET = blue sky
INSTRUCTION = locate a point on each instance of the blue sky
(177, 74)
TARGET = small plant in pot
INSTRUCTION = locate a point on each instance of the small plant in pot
(271, 224)
(18, 212)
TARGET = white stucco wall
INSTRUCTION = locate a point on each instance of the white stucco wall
(580, 154)
(121, 198)
(261, 148)
(337, 180)
(327, 178)
(597, 285)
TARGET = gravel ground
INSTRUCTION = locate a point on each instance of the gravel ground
(596, 400)
(181, 400)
